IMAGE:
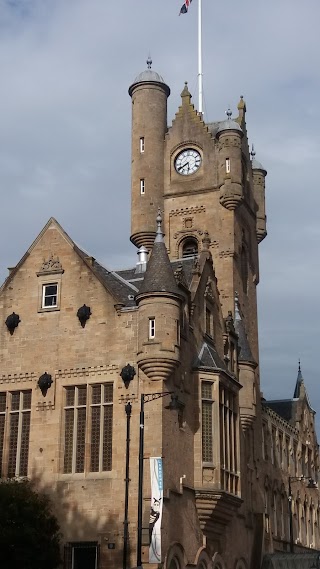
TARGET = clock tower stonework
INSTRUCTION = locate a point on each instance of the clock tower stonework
(221, 201)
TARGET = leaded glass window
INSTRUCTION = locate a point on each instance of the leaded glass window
(207, 422)
(15, 411)
(88, 424)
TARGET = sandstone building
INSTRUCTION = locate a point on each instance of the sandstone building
(185, 318)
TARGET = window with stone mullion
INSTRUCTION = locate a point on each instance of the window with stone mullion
(19, 429)
(98, 398)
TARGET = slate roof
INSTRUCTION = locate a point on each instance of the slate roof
(283, 407)
(208, 358)
(136, 279)
(121, 290)
(281, 560)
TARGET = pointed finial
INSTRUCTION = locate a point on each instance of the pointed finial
(149, 61)
(206, 241)
(237, 315)
(253, 152)
(229, 113)
(159, 235)
(185, 95)
(241, 104)
(299, 369)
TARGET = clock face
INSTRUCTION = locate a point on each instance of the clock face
(187, 162)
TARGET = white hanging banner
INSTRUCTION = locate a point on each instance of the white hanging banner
(156, 475)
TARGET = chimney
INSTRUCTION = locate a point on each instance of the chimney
(142, 260)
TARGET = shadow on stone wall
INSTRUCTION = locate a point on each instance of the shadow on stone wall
(81, 521)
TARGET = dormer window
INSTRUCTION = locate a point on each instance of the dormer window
(190, 247)
(50, 295)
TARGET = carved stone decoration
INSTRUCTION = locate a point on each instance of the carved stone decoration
(229, 322)
(209, 291)
(127, 374)
(180, 276)
(44, 383)
(84, 314)
(12, 322)
(231, 195)
(51, 265)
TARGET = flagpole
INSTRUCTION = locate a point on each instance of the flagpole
(200, 74)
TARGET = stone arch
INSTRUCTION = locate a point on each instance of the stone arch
(218, 562)
(175, 558)
(241, 564)
(202, 559)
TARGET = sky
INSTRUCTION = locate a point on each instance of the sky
(65, 120)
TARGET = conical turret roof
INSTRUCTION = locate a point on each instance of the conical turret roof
(299, 384)
(159, 276)
(149, 76)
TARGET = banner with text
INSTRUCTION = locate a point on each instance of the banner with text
(156, 475)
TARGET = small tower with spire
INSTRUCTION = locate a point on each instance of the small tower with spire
(149, 95)
(159, 305)
(259, 184)
(230, 167)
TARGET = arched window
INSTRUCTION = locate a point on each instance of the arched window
(189, 247)
(174, 563)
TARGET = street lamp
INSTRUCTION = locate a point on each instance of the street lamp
(175, 404)
(311, 484)
(128, 409)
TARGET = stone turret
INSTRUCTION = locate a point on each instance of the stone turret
(229, 135)
(247, 366)
(259, 178)
(149, 95)
(159, 303)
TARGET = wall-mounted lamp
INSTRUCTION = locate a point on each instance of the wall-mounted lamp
(84, 314)
(127, 374)
(12, 322)
(44, 383)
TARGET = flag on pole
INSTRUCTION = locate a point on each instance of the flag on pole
(184, 7)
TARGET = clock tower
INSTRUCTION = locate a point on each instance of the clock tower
(202, 177)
